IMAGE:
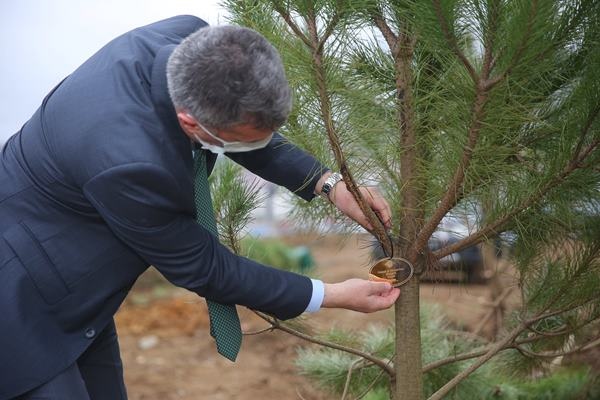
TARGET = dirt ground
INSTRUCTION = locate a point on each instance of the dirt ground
(168, 353)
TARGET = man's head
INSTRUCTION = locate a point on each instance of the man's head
(230, 80)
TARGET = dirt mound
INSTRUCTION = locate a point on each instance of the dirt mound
(165, 318)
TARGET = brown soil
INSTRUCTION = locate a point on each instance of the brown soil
(168, 352)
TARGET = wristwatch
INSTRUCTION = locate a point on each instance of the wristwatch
(330, 182)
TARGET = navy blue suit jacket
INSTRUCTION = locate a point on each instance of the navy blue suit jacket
(96, 187)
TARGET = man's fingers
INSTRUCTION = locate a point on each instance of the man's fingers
(379, 205)
(360, 295)
(379, 288)
(392, 294)
(385, 300)
(391, 297)
(347, 204)
(356, 214)
(386, 219)
(384, 211)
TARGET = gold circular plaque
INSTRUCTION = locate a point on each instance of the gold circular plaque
(396, 271)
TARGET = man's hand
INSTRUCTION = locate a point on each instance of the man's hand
(341, 197)
(360, 295)
(344, 201)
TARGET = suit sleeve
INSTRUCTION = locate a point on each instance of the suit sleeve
(284, 164)
(146, 208)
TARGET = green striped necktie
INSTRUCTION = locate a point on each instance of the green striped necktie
(224, 321)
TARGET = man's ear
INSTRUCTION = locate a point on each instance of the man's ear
(188, 123)
(186, 120)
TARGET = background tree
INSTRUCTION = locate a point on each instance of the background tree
(485, 109)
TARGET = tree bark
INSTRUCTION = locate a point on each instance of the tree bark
(409, 378)
(408, 384)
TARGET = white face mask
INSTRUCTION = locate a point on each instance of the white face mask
(230, 147)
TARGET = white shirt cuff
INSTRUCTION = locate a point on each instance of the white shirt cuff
(318, 293)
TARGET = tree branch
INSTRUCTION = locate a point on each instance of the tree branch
(487, 353)
(492, 82)
(579, 155)
(325, 104)
(507, 291)
(588, 345)
(349, 376)
(328, 30)
(288, 19)
(451, 39)
(540, 316)
(557, 332)
(455, 187)
(565, 330)
(586, 128)
(566, 285)
(368, 389)
(493, 9)
(493, 350)
(258, 332)
(231, 239)
(467, 356)
(493, 228)
(389, 35)
(275, 324)
(455, 190)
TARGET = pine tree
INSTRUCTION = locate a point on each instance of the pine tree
(486, 109)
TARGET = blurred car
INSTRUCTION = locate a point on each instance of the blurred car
(464, 266)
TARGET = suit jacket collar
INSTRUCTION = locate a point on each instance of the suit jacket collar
(159, 90)
(164, 105)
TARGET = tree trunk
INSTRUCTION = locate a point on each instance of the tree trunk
(408, 382)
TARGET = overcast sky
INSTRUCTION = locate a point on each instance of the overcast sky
(43, 41)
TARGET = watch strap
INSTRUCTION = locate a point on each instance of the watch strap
(330, 182)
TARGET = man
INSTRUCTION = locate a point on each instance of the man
(99, 184)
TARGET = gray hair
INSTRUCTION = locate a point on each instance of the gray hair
(226, 75)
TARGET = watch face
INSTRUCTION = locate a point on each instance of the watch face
(396, 271)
